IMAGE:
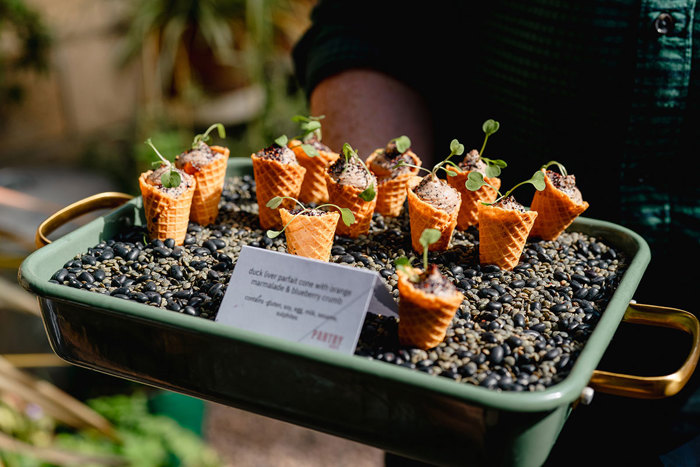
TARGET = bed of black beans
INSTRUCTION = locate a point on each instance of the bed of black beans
(517, 330)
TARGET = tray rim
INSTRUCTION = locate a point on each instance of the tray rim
(566, 391)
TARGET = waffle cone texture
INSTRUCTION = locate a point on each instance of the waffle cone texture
(424, 318)
(210, 184)
(310, 236)
(555, 211)
(272, 178)
(347, 196)
(391, 191)
(502, 235)
(166, 216)
(313, 187)
(425, 216)
(469, 209)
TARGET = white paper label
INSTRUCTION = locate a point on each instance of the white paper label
(301, 299)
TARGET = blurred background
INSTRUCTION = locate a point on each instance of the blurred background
(83, 83)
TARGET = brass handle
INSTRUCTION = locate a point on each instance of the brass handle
(653, 387)
(105, 200)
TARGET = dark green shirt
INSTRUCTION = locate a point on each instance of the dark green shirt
(608, 88)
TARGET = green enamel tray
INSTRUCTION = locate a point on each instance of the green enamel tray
(393, 408)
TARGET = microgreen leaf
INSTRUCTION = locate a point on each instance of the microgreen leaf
(427, 238)
(282, 141)
(275, 202)
(489, 127)
(404, 264)
(348, 151)
(273, 233)
(494, 166)
(403, 143)
(205, 136)
(537, 180)
(311, 126)
(456, 148)
(170, 179)
(369, 193)
(561, 167)
(347, 216)
(309, 150)
(475, 180)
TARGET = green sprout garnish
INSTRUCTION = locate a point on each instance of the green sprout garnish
(427, 238)
(561, 167)
(205, 136)
(490, 127)
(171, 178)
(456, 148)
(475, 180)
(349, 153)
(403, 143)
(345, 213)
(311, 128)
(281, 141)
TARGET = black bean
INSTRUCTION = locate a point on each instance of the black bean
(494, 306)
(539, 327)
(176, 272)
(552, 354)
(132, 255)
(386, 273)
(488, 292)
(518, 284)
(86, 277)
(99, 275)
(519, 320)
(514, 341)
(163, 251)
(337, 251)
(169, 243)
(60, 275)
(347, 258)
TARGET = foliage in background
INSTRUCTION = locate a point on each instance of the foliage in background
(146, 439)
(24, 45)
(185, 44)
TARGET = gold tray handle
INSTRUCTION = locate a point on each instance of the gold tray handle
(106, 200)
(653, 387)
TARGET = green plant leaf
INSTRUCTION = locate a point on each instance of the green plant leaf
(475, 180)
(273, 233)
(275, 202)
(403, 143)
(537, 180)
(402, 261)
(282, 141)
(369, 193)
(490, 127)
(309, 150)
(429, 236)
(347, 216)
(456, 148)
(348, 151)
(310, 126)
(170, 179)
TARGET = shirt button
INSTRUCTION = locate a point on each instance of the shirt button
(663, 24)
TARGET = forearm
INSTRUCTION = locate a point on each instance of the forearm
(366, 109)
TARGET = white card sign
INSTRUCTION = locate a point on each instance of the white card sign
(301, 299)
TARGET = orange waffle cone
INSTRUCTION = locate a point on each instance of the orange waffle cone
(391, 192)
(166, 216)
(346, 196)
(502, 235)
(313, 188)
(555, 211)
(210, 184)
(424, 216)
(468, 210)
(424, 318)
(272, 178)
(310, 236)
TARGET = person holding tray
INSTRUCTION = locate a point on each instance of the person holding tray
(605, 85)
